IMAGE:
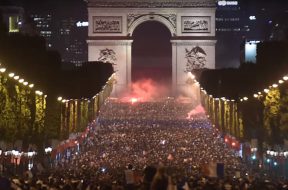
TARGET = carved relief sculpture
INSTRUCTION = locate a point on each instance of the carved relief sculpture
(107, 24)
(192, 24)
(131, 18)
(196, 58)
(107, 56)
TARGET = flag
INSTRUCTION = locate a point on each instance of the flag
(129, 176)
(213, 169)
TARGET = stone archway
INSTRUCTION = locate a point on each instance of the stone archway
(136, 20)
(190, 22)
(152, 54)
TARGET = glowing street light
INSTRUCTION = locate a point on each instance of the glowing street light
(281, 81)
(11, 75)
(2, 70)
(39, 92)
(59, 98)
(256, 95)
(31, 85)
(245, 98)
(16, 77)
(285, 78)
(275, 85)
(48, 150)
(21, 80)
(25, 83)
(266, 90)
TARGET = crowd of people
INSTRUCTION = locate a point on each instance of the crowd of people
(149, 145)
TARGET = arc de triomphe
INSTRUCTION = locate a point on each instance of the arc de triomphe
(190, 22)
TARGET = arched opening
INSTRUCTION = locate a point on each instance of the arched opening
(152, 53)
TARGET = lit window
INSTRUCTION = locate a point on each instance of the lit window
(13, 24)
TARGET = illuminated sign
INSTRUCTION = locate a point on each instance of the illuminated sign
(227, 3)
(252, 17)
(82, 24)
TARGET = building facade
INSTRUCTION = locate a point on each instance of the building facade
(190, 22)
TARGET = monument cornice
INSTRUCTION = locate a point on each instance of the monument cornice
(150, 3)
(109, 42)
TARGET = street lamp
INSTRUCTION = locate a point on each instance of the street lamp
(1, 164)
(16, 155)
(30, 156)
(48, 151)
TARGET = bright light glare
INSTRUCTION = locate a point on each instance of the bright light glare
(11, 75)
(134, 100)
(21, 80)
(2, 70)
(275, 85)
(31, 85)
(59, 98)
(16, 77)
(39, 92)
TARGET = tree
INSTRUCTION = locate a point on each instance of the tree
(272, 115)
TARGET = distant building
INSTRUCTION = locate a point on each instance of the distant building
(64, 36)
(43, 24)
(230, 33)
(241, 21)
(71, 41)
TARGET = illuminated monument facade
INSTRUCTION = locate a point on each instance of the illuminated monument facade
(190, 22)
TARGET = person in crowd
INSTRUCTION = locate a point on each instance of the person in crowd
(160, 180)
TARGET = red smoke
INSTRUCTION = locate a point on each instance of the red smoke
(199, 110)
(146, 90)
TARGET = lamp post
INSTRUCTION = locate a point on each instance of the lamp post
(1, 164)
(30, 156)
(15, 156)
(48, 151)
